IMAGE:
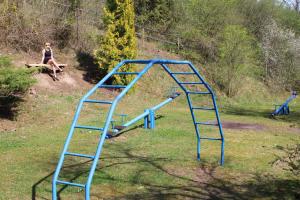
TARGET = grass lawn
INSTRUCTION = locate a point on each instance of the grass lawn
(152, 164)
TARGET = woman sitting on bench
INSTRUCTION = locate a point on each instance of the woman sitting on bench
(48, 59)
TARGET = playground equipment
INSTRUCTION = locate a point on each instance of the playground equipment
(165, 64)
(148, 115)
(284, 108)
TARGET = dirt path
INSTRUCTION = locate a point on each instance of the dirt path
(242, 126)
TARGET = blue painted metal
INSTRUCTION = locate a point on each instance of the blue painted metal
(202, 108)
(89, 127)
(190, 83)
(192, 92)
(113, 104)
(97, 101)
(152, 119)
(79, 155)
(207, 123)
(284, 108)
(123, 118)
(69, 183)
(146, 114)
(127, 73)
(112, 86)
(146, 119)
(183, 73)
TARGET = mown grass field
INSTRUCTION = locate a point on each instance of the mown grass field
(151, 164)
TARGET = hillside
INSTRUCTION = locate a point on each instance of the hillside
(140, 163)
(217, 138)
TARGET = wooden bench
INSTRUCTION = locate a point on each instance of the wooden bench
(45, 67)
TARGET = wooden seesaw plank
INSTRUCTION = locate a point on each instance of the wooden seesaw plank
(43, 65)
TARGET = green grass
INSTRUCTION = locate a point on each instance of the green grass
(150, 164)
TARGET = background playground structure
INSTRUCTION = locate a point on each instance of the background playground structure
(284, 109)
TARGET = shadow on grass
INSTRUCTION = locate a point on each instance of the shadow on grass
(253, 112)
(135, 127)
(200, 182)
(9, 107)
(88, 64)
(289, 159)
(293, 117)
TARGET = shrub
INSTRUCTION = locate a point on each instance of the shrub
(119, 41)
(13, 81)
(237, 58)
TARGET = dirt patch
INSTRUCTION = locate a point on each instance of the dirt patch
(295, 130)
(204, 174)
(7, 125)
(198, 175)
(241, 126)
(68, 81)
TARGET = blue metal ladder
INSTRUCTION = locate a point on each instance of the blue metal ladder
(104, 130)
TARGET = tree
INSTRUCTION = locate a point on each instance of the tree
(119, 41)
(237, 58)
(156, 14)
(279, 48)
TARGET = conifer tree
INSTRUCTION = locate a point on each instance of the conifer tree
(119, 41)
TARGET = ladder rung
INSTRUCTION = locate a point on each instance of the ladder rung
(112, 86)
(182, 73)
(202, 108)
(207, 138)
(190, 83)
(89, 127)
(69, 183)
(79, 155)
(97, 101)
(190, 92)
(127, 73)
(207, 123)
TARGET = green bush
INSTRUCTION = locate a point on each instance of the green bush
(4, 62)
(119, 41)
(237, 58)
(13, 81)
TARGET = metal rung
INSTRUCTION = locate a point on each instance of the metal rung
(207, 138)
(190, 92)
(97, 101)
(190, 73)
(69, 183)
(89, 127)
(127, 73)
(79, 155)
(112, 86)
(207, 123)
(202, 108)
(190, 83)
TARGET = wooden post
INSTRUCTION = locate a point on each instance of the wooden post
(178, 43)
(143, 37)
(77, 25)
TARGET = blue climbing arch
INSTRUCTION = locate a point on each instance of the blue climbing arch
(117, 71)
